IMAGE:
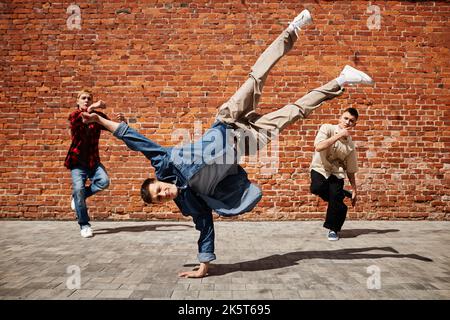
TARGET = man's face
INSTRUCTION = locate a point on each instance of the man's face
(347, 121)
(84, 101)
(162, 192)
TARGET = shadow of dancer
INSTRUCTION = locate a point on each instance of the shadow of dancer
(292, 258)
(353, 233)
(148, 227)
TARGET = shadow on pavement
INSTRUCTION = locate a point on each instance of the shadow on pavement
(279, 261)
(353, 233)
(148, 227)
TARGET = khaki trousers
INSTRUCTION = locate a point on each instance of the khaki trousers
(239, 110)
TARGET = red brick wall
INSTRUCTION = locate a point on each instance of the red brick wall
(168, 64)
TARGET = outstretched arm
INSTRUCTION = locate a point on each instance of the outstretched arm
(135, 141)
(94, 117)
(100, 104)
(203, 223)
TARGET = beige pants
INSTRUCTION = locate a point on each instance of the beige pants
(239, 111)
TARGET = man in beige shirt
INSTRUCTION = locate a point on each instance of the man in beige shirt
(334, 158)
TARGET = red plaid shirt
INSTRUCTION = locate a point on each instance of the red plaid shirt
(85, 137)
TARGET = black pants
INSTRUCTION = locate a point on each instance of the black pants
(330, 190)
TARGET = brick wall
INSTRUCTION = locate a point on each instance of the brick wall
(169, 65)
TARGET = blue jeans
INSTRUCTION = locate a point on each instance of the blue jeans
(99, 181)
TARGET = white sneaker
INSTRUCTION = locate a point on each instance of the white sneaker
(72, 204)
(354, 76)
(86, 231)
(303, 19)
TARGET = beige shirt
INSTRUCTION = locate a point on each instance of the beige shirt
(338, 159)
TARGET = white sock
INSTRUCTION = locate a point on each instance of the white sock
(341, 80)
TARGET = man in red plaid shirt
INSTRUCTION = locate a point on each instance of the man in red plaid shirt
(83, 158)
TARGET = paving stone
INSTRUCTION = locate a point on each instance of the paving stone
(114, 294)
(255, 260)
(84, 294)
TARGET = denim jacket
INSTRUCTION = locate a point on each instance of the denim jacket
(234, 195)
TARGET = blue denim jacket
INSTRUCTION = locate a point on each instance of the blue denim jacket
(234, 195)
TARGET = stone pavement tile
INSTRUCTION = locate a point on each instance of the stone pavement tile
(181, 286)
(271, 258)
(164, 293)
(92, 284)
(444, 280)
(84, 294)
(114, 294)
(215, 295)
(159, 286)
(240, 280)
(134, 286)
(225, 280)
(285, 294)
(340, 294)
(121, 280)
(222, 287)
(168, 278)
(14, 294)
(413, 294)
(385, 294)
(184, 295)
(432, 294)
(39, 285)
(440, 285)
(361, 294)
(315, 294)
(49, 294)
(237, 286)
(265, 286)
(252, 294)
(15, 278)
(198, 286)
(15, 285)
(441, 294)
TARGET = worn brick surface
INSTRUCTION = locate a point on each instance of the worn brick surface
(169, 65)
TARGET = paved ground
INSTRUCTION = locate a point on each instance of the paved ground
(255, 260)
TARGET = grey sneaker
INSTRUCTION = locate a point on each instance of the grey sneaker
(333, 236)
(303, 19)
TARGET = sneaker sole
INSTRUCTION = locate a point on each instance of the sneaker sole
(90, 236)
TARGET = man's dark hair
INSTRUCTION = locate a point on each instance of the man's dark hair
(353, 112)
(145, 194)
